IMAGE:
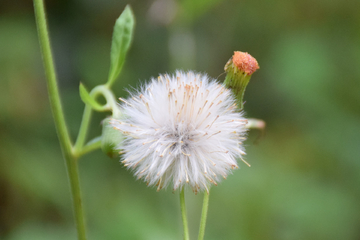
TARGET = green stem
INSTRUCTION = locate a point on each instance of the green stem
(54, 95)
(85, 122)
(111, 103)
(91, 146)
(73, 172)
(59, 119)
(203, 216)
(183, 214)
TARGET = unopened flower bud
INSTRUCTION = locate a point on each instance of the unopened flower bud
(239, 69)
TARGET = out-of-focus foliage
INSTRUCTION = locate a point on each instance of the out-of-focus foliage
(305, 175)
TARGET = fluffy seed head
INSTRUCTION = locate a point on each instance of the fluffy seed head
(183, 129)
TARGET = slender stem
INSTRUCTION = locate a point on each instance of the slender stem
(91, 146)
(204, 215)
(59, 119)
(183, 214)
(54, 95)
(85, 122)
(73, 172)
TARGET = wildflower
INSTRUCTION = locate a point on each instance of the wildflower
(182, 129)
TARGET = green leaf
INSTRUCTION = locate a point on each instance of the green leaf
(121, 40)
(87, 99)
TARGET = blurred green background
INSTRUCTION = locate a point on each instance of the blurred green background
(304, 182)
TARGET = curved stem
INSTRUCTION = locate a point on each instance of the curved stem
(111, 103)
(91, 146)
(85, 122)
(204, 215)
(59, 119)
(183, 214)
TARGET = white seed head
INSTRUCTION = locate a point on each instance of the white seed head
(183, 129)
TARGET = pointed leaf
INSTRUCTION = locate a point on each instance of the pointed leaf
(121, 40)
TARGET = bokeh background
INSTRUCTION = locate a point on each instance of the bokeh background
(304, 182)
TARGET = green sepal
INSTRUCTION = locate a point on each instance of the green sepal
(121, 40)
(237, 81)
(111, 139)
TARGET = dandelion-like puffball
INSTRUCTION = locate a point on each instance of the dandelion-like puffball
(183, 129)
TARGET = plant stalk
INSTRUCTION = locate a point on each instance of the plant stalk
(110, 105)
(183, 214)
(204, 215)
(59, 119)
